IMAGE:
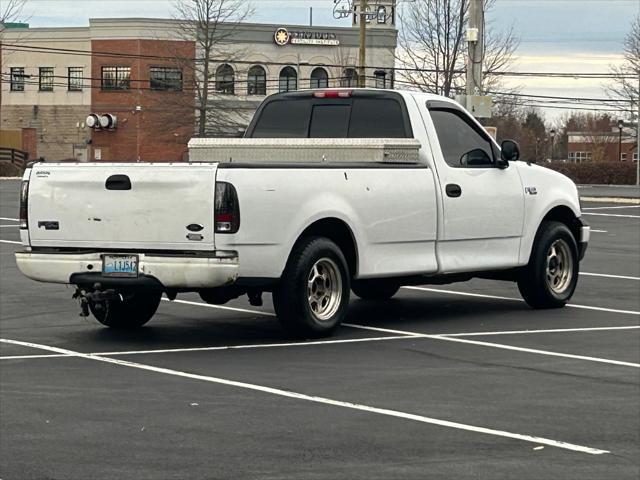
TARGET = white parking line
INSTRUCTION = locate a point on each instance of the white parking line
(223, 347)
(611, 208)
(598, 231)
(10, 219)
(10, 241)
(321, 400)
(496, 345)
(9, 226)
(326, 342)
(606, 275)
(611, 215)
(548, 330)
(221, 307)
(496, 297)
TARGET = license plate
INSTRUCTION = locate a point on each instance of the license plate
(120, 265)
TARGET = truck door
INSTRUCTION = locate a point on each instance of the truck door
(483, 203)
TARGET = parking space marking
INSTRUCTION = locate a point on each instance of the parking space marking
(223, 347)
(497, 297)
(321, 400)
(610, 215)
(10, 219)
(326, 342)
(221, 307)
(598, 231)
(10, 241)
(9, 226)
(607, 275)
(549, 330)
(495, 345)
(610, 208)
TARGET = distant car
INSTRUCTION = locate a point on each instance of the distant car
(330, 191)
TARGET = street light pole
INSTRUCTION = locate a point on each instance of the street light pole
(620, 125)
(638, 137)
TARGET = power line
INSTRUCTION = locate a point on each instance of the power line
(178, 58)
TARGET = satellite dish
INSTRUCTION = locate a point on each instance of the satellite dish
(92, 121)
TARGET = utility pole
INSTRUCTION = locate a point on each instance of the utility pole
(475, 40)
(638, 137)
(363, 44)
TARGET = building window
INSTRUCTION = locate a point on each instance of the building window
(623, 157)
(17, 79)
(319, 78)
(288, 80)
(349, 78)
(579, 157)
(635, 156)
(165, 78)
(46, 79)
(116, 78)
(225, 79)
(382, 14)
(74, 79)
(381, 78)
(257, 81)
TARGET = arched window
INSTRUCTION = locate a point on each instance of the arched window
(288, 79)
(319, 78)
(257, 81)
(349, 78)
(225, 79)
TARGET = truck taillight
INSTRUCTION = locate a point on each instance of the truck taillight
(333, 94)
(24, 204)
(227, 208)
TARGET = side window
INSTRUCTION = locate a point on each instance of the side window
(461, 144)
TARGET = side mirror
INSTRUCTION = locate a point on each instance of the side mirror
(476, 158)
(510, 150)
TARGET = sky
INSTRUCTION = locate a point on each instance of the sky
(555, 35)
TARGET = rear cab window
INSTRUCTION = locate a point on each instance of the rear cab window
(362, 115)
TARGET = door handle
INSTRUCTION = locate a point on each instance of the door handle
(118, 182)
(453, 190)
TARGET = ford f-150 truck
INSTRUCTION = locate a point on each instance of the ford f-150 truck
(329, 192)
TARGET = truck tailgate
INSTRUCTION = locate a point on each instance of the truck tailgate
(122, 206)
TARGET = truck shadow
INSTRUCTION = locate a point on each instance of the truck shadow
(203, 327)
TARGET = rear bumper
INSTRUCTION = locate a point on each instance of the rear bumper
(214, 269)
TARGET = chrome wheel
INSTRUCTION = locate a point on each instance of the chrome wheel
(559, 271)
(324, 289)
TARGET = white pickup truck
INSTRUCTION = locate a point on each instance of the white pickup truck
(330, 191)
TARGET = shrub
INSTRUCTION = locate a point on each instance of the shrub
(10, 170)
(600, 173)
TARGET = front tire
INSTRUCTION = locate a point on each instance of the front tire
(312, 297)
(132, 311)
(551, 276)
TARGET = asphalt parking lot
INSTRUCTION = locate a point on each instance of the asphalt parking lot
(457, 381)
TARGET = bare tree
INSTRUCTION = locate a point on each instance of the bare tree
(211, 24)
(625, 85)
(10, 11)
(433, 49)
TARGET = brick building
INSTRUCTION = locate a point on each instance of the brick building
(59, 82)
(603, 146)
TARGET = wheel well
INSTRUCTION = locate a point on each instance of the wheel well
(338, 232)
(565, 215)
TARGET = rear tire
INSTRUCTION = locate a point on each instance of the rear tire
(133, 311)
(378, 289)
(551, 276)
(312, 297)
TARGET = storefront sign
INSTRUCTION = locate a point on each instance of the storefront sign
(283, 37)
